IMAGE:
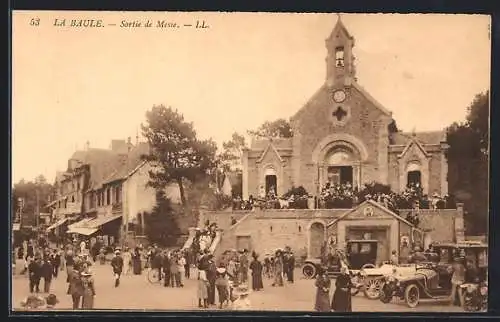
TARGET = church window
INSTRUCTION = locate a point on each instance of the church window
(339, 114)
(339, 56)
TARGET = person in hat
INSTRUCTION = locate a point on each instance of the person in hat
(323, 283)
(88, 290)
(127, 259)
(242, 302)
(278, 268)
(256, 268)
(75, 287)
(457, 279)
(117, 265)
(290, 266)
(211, 272)
(35, 274)
(341, 301)
(243, 266)
(47, 272)
(222, 285)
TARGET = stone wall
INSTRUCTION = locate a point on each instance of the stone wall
(277, 228)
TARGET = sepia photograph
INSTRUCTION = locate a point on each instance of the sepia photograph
(236, 161)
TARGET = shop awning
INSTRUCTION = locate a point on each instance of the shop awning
(80, 223)
(57, 223)
(99, 221)
(82, 231)
(16, 227)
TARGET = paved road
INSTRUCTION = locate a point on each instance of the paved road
(137, 293)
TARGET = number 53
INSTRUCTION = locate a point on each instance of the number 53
(34, 22)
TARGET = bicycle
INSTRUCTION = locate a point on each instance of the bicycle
(153, 276)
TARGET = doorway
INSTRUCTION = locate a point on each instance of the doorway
(243, 242)
(316, 239)
(414, 178)
(271, 182)
(340, 175)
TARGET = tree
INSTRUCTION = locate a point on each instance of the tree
(161, 226)
(468, 163)
(176, 153)
(279, 128)
(232, 152)
(29, 192)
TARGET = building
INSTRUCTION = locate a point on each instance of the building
(342, 134)
(114, 195)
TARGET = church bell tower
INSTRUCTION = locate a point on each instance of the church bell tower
(339, 60)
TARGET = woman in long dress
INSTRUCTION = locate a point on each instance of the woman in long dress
(202, 289)
(88, 290)
(322, 284)
(278, 269)
(341, 301)
(256, 268)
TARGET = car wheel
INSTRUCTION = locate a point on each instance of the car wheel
(309, 270)
(412, 295)
(372, 288)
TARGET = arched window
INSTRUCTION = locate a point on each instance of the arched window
(339, 57)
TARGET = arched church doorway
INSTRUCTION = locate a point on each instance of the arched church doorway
(339, 163)
(316, 239)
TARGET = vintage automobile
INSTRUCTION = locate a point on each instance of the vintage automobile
(432, 280)
(360, 254)
(424, 282)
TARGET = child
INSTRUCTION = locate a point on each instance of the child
(222, 284)
(202, 289)
(242, 303)
(33, 302)
(51, 301)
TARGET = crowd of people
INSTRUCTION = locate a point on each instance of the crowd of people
(346, 196)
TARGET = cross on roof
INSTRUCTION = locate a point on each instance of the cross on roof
(339, 113)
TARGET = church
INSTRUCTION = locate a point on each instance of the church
(343, 135)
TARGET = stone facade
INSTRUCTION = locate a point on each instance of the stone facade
(343, 128)
(305, 230)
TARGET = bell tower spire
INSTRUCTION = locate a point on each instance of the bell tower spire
(339, 59)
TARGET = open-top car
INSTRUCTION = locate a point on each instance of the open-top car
(432, 280)
(424, 283)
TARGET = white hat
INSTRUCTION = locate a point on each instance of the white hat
(221, 270)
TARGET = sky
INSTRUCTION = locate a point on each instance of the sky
(73, 85)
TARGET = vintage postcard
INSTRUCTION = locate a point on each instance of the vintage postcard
(209, 161)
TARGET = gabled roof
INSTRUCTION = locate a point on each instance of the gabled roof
(413, 141)
(424, 138)
(270, 148)
(101, 162)
(375, 204)
(279, 143)
(128, 164)
(370, 98)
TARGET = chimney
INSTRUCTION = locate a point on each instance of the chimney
(129, 144)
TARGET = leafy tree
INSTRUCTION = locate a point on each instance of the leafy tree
(161, 226)
(29, 192)
(468, 163)
(177, 154)
(279, 128)
(232, 151)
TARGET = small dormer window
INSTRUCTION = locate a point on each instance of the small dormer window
(339, 56)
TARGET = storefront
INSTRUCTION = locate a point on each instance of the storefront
(371, 221)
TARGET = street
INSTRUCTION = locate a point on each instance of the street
(137, 293)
